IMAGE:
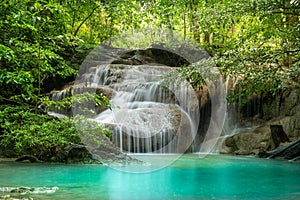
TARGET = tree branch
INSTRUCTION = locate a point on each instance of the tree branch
(13, 101)
(85, 19)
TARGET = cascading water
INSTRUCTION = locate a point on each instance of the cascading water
(147, 116)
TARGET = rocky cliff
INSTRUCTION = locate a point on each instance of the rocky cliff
(281, 127)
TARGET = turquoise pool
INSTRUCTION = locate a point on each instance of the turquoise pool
(213, 177)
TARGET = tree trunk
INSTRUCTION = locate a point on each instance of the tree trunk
(194, 26)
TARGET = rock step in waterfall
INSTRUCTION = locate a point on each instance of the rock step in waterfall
(147, 117)
(150, 118)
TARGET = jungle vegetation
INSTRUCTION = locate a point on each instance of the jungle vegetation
(42, 41)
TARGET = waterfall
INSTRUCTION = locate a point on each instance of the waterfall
(57, 96)
(147, 117)
(238, 118)
(236, 115)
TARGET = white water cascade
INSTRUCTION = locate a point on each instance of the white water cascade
(146, 118)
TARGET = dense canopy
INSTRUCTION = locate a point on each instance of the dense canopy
(256, 40)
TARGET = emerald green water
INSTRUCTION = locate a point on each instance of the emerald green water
(214, 177)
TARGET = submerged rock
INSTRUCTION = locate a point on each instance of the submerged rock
(32, 190)
(21, 193)
(14, 197)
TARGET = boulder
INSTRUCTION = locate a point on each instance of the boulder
(247, 143)
(263, 138)
(162, 128)
(76, 153)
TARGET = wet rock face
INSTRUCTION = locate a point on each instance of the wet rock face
(160, 129)
(149, 115)
(264, 138)
(248, 142)
(279, 120)
(151, 55)
(285, 104)
(132, 81)
(75, 153)
(277, 136)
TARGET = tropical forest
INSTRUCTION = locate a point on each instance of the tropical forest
(150, 99)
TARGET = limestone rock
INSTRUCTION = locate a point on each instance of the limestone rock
(263, 138)
(286, 105)
(277, 136)
(161, 128)
(282, 125)
(248, 142)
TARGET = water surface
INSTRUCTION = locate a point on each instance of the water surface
(214, 177)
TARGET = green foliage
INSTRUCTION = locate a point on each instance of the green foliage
(17, 84)
(43, 39)
(33, 47)
(90, 130)
(79, 101)
(27, 132)
(196, 74)
(255, 43)
(38, 134)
